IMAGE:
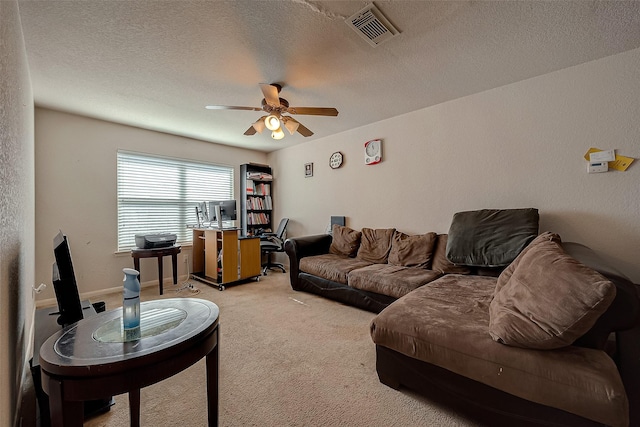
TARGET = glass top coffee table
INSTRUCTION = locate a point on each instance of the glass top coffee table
(90, 359)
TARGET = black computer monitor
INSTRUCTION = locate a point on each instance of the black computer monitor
(227, 210)
(64, 282)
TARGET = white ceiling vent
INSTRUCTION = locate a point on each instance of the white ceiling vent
(372, 25)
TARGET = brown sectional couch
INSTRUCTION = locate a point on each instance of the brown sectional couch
(434, 332)
(357, 281)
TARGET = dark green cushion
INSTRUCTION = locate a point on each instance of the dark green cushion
(490, 237)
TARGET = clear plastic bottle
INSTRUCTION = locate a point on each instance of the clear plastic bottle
(131, 304)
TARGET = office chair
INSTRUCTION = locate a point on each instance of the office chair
(273, 242)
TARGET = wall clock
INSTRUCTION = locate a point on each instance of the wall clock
(335, 161)
(372, 152)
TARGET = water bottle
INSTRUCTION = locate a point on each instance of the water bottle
(131, 304)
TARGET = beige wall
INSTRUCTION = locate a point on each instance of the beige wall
(520, 145)
(16, 215)
(76, 193)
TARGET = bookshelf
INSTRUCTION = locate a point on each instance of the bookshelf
(256, 204)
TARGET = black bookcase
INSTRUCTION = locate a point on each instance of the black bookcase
(256, 205)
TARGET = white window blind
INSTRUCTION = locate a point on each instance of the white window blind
(160, 194)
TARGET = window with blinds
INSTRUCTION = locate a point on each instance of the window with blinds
(160, 194)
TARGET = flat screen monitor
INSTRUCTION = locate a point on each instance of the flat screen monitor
(227, 210)
(64, 282)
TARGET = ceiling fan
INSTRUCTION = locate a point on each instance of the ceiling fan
(275, 107)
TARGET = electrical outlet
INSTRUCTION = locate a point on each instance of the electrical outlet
(186, 259)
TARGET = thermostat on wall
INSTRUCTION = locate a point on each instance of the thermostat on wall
(597, 167)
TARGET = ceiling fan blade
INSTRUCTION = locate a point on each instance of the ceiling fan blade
(313, 111)
(250, 131)
(231, 107)
(270, 93)
(302, 130)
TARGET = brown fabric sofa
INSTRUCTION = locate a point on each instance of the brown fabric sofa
(432, 333)
(349, 276)
(436, 340)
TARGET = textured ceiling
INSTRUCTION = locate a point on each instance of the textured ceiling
(156, 64)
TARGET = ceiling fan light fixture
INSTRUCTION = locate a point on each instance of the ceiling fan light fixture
(291, 125)
(277, 134)
(272, 122)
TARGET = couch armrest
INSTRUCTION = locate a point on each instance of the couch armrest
(628, 361)
(300, 247)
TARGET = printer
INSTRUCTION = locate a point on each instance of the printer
(155, 241)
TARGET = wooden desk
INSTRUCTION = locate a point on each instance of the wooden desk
(88, 360)
(157, 253)
(221, 256)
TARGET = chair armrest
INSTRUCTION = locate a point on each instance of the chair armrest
(300, 247)
(272, 239)
(272, 245)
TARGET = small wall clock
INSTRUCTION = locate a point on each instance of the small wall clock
(372, 152)
(335, 161)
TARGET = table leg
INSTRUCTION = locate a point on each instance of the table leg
(134, 408)
(174, 261)
(160, 272)
(63, 413)
(213, 364)
(136, 266)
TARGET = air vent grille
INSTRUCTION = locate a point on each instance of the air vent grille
(372, 25)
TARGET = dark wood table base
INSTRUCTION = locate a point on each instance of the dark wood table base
(159, 253)
(68, 384)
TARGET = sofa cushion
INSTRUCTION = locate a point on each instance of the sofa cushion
(375, 244)
(412, 251)
(506, 274)
(445, 323)
(441, 263)
(490, 237)
(550, 299)
(331, 266)
(345, 241)
(392, 280)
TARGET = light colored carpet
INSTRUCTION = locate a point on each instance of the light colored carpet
(286, 359)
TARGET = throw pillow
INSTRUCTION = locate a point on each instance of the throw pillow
(490, 237)
(441, 263)
(375, 245)
(345, 241)
(506, 274)
(412, 251)
(549, 301)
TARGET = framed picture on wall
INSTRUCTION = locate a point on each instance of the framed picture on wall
(308, 170)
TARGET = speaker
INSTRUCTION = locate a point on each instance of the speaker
(338, 220)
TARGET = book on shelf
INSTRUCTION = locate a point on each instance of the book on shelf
(250, 187)
(259, 203)
(262, 189)
(257, 218)
(259, 176)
